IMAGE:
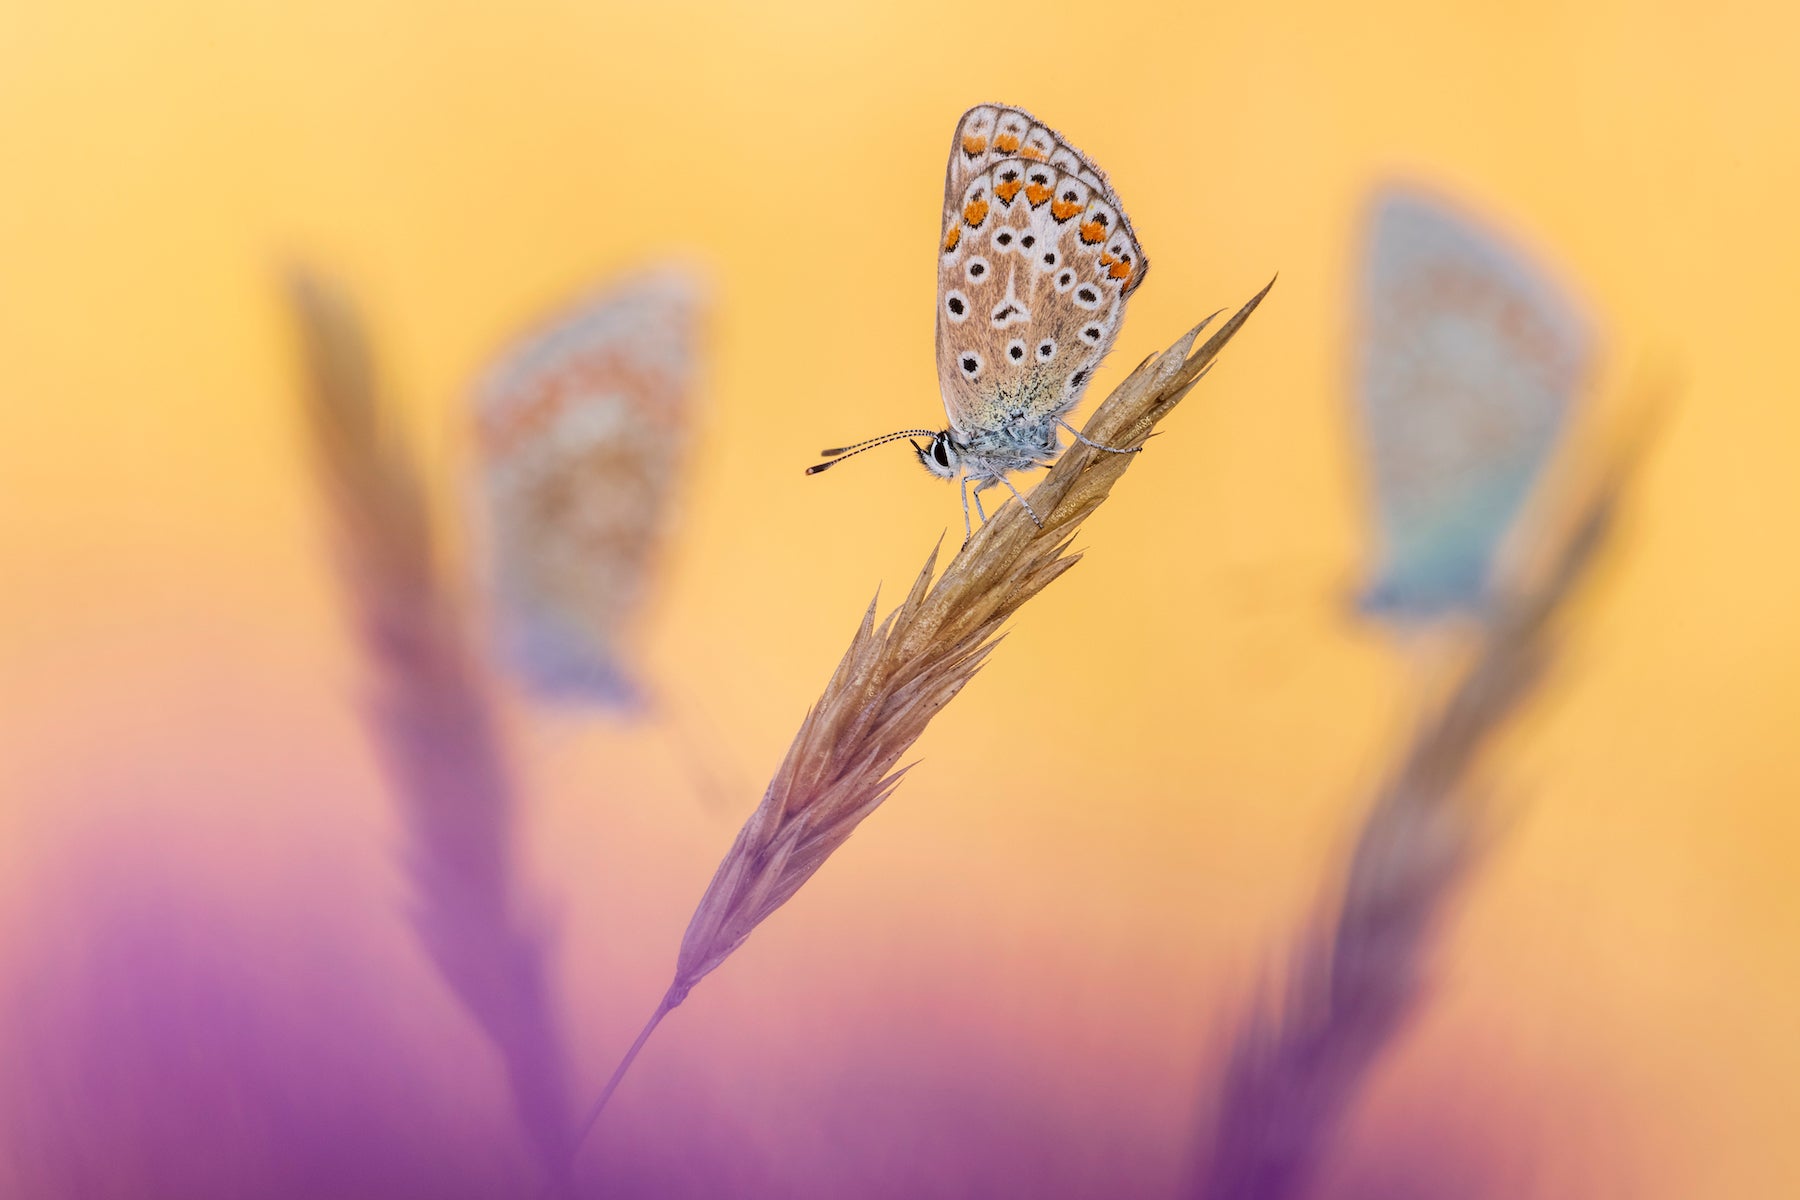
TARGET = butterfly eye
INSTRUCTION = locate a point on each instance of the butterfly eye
(957, 305)
(1047, 349)
(941, 453)
(1016, 351)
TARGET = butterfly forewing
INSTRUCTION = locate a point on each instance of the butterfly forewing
(1036, 262)
(1470, 359)
(583, 428)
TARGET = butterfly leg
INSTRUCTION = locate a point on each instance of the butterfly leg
(1021, 499)
(979, 488)
(967, 531)
(1096, 445)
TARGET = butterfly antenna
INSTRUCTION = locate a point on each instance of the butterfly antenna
(839, 454)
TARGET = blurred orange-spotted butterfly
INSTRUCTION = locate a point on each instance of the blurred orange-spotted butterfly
(583, 428)
(1035, 264)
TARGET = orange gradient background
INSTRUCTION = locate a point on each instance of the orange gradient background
(1117, 827)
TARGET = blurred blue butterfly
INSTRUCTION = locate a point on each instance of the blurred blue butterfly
(583, 428)
(1470, 359)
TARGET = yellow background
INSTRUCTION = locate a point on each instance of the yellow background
(1116, 826)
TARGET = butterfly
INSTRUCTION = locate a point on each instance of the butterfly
(1470, 360)
(582, 430)
(1036, 261)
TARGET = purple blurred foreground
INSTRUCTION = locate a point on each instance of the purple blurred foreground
(164, 1038)
(157, 1045)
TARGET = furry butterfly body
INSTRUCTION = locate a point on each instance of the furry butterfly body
(1036, 261)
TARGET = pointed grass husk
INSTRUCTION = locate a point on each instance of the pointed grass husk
(898, 673)
(1294, 1068)
(433, 718)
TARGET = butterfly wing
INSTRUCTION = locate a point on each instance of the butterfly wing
(1470, 359)
(1036, 262)
(583, 428)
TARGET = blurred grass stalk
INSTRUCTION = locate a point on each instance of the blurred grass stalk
(1295, 1067)
(433, 718)
(897, 675)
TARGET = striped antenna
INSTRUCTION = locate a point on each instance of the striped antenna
(842, 452)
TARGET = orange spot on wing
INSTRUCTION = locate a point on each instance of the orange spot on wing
(1037, 193)
(1033, 153)
(975, 213)
(1093, 231)
(954, 237)
(1006, 191)
(1062, 210)
(1120, 269)
(1107, 260)
(1006, 143)
(974, 144)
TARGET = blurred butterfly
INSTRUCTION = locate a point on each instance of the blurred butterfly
(1470, 359)
(583, 428)
(1036, 260)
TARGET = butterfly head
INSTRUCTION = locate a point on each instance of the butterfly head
(940, 456)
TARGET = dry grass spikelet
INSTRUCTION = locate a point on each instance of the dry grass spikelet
(899, 672)
(1294, 1067)
(433, 716)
